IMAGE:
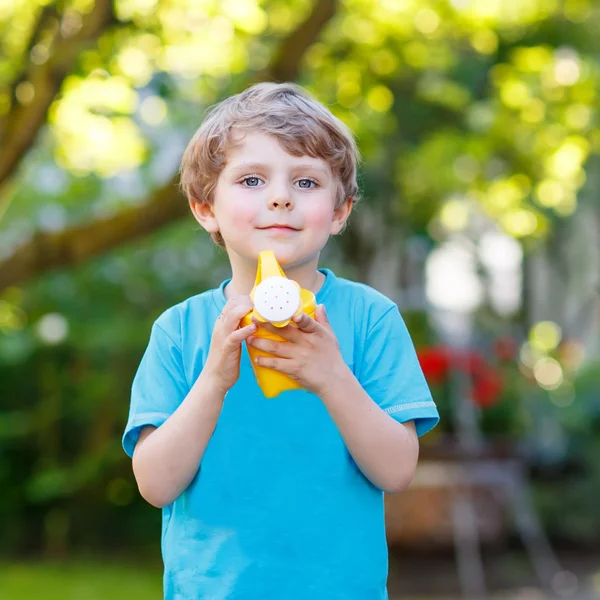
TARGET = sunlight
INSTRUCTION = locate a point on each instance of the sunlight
(12, 318)
(550, 193)
(427, 21)
(504, 194)
(566, 68)
(454, 215)
(246, 15)
(548, 373)
(514, 93)
(533, 59)
(545, 336)
(384, 62)
(451, 278)
(380, 98)
(567, 161)
(25, 93)
(134, 63)
(128, 9)
(578, 116)
(534, 111)
(485, 41)
(502, 257)
(52, 328)
(153, 110)
(520, 223)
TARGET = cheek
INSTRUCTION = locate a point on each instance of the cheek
(244, 214)
(319, 215)
(241, 212)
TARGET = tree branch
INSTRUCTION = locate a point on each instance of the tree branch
(48, 251)
(288, 58)
(43, 23)
(25, 121)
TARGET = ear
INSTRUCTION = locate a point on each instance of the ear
(340, 216)
(204, 214)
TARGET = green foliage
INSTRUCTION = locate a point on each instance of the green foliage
(65, 376)
(568, 488)
(463, 111)
(79, 581)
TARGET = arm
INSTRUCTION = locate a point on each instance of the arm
(167, 452)
(166, 459)
(389, 380)
(385, 450)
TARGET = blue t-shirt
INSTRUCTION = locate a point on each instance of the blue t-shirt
(279, 509)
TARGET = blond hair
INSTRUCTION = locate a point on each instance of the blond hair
(301, 124)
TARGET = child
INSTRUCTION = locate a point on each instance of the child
(277, 498)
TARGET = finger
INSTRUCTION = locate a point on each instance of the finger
(281, 349)
(289, 332)
(321, 316)
(283, 365)
(241, 334)
(235, 302)
(232, 315)
(306, 324)
(232, 301)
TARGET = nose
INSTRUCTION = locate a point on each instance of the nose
(281, 199)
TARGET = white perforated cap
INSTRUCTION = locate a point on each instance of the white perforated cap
(276, 299)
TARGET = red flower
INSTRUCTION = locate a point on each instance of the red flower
(487, 388)
(434, 362)
(437, 362)
(469, 361)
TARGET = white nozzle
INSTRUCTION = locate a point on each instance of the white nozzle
(276, 299)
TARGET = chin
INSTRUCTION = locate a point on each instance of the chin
(282, 256)
(285, 256)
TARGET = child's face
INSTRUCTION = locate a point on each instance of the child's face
(262, 187)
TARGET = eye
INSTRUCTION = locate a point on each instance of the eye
(303, 183)
(252, 180)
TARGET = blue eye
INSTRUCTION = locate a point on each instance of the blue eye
(309, 181)
(253, 181)
(251, 178)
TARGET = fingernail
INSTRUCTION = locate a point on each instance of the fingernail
(297, 318)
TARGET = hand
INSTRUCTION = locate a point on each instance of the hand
(310, 355)
(223, 361)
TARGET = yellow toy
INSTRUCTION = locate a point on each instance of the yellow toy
(277, 300)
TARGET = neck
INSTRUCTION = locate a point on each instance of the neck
(244, 275)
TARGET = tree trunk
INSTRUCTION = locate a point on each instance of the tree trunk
(49, 251)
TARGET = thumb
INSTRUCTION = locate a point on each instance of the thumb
(321, 316)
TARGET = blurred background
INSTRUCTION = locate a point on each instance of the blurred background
(479, 126)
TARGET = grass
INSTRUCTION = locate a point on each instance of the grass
(79, 580)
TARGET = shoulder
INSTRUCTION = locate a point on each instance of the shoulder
(369, 304)
(188, 315)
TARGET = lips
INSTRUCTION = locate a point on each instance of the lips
(280, 226)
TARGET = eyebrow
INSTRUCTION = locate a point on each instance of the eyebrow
(254, 166)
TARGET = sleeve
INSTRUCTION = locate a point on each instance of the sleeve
(391, 374)
(158, 388)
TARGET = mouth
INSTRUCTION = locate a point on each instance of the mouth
(279, 228)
